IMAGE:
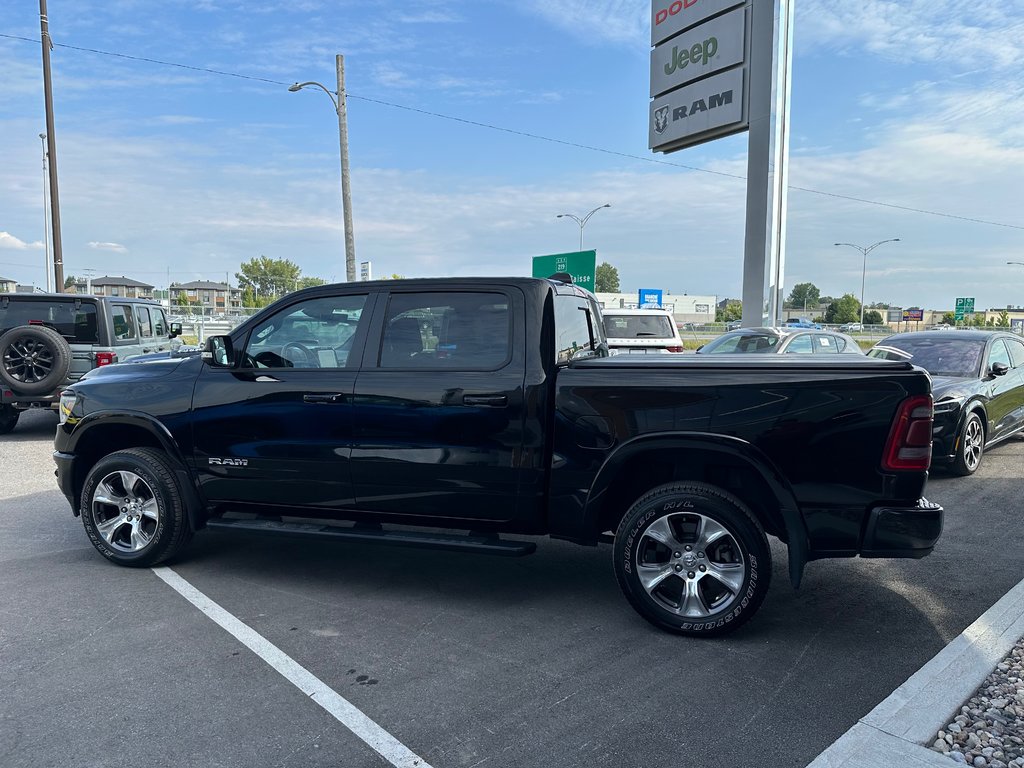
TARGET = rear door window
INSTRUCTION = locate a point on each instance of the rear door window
(145, 324)
(76, 323)
(801, 345)
(123, 321)
(461, 331)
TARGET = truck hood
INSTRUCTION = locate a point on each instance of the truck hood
(153, 366)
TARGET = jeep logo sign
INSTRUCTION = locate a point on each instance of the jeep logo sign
(671, 16)
(715, 106)
(711, 47)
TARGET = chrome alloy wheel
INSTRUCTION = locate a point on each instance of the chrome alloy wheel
(690, 564)
(124, 511)
(974, 443)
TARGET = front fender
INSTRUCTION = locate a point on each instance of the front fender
(735, 449)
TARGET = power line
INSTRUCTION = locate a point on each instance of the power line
(535, 136)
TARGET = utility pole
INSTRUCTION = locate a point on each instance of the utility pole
(51, 142)
(46, 224)
(346, 192)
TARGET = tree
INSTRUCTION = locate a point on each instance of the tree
(804, 296)
(949, 318)
(1004, 319)
(69, 281)
(844, 310)
(309, 282)
(873, 317)
(733, 311)
(268, 277)
(606, 280)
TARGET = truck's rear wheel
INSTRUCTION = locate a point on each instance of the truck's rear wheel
(132, 508)
(692, 559)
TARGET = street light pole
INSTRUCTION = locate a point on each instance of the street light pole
(864, 269)
(582, 222)
(46, 222)
(339, 101)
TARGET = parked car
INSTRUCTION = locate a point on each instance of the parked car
(490, 405)
(781, 341)
(641, 330)
(733, 325)
(50, 340)
(851, 327)
(801, 322)
(977, 384)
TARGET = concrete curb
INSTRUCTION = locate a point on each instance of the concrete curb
(894, 732)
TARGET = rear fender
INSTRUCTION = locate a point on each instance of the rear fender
(724, 446)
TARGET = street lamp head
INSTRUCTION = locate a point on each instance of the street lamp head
(295, 87)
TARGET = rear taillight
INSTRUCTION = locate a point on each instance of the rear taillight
(674, 349)
(909, 446)
(105, 358)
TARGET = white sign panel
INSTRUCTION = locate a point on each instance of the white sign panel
(671, 16)
(716, 45)
(715, 106)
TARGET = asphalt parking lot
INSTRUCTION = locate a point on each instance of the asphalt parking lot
(467, 660)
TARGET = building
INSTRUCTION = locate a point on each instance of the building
(7, 285)
(685, 308)
(212, 298)
(123, 287)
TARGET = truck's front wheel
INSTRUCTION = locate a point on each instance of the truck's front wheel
(133, 509)
(692, 559)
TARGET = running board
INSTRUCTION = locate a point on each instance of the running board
(476, 543)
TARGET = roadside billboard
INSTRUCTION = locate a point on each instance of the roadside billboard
(913, 315)
(650, 297)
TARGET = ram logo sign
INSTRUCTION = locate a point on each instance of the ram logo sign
(229, 462)
(713, 107)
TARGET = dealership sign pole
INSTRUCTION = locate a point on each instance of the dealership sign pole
(713, 67)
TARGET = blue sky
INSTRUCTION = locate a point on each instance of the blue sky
(916, 103)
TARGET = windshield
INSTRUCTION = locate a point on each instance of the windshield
(637, 327)
(943, 357)
(757, 343)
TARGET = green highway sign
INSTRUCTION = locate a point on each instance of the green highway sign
(582, 265)
(964, 306)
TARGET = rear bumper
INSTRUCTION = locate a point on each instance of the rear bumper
(902, 531)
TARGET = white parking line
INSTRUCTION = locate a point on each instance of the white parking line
(390, 748)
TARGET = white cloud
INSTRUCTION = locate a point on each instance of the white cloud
(116, 247)
(626, 22)
(947, 31)
(10, 242)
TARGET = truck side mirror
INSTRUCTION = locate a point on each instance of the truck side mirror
(1000, 369)
(219, 352)
(175, 330)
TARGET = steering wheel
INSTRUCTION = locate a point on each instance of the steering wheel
(309, 358)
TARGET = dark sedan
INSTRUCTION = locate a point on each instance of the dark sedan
(977, 384)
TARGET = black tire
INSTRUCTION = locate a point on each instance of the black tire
(157, 524)
(695, 592)
(34, 359)
(8, 418)
(970, 446)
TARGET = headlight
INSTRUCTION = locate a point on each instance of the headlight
(948, 405)
(67, 402)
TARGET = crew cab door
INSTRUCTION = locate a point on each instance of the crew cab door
(277, 428)
(439, 406)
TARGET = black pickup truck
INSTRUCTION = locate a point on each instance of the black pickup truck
(384, 411)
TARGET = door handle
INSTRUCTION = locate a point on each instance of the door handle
(495, 401)
(335, 397)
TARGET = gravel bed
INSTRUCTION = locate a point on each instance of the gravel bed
(989, 730)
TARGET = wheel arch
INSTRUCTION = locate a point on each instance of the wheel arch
(729, 463)
(102, 433)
